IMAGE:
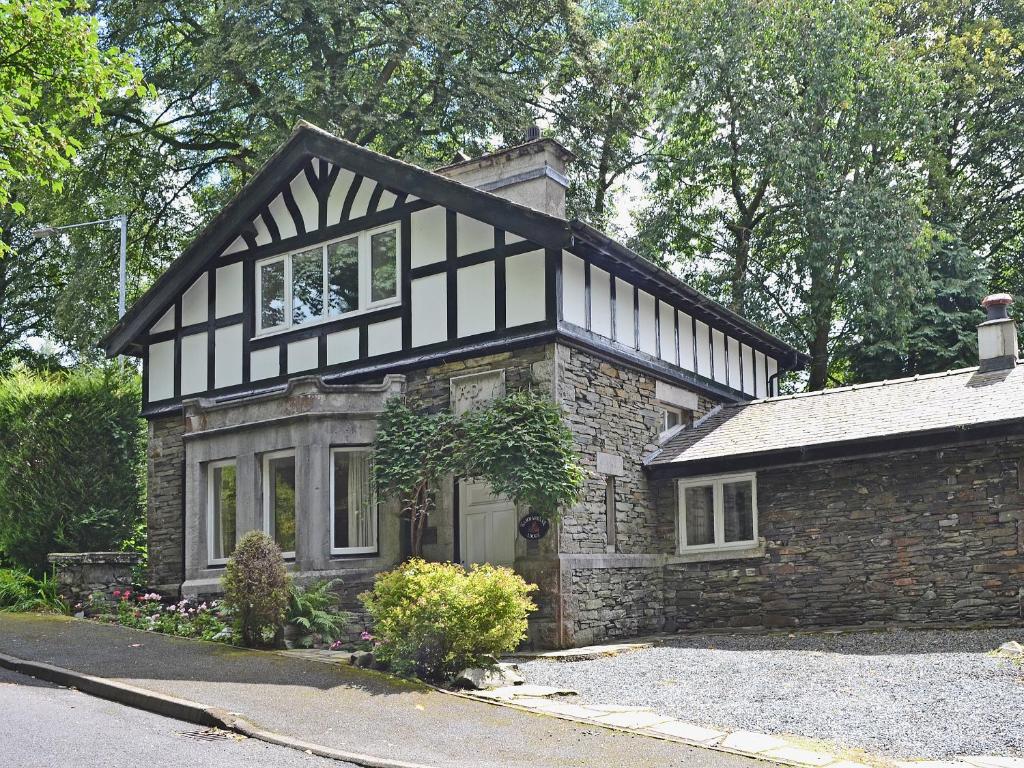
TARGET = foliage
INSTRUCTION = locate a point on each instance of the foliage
(21, 592)
(186, 618)
(256, 590)
(435, 619)
(519, 444)
(71, 458)
(314, 610)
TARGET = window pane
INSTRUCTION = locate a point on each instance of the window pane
(223, 517)
(343, 276)
(281, 501)
(383, 258)
(672, 418)
(272, 294)
(700, 515)
(738, 504)
(307, 286)
(355, 514)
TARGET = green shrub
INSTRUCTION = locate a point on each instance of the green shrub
(315, 612)
(21, 592)
(256, 590)
(71, 462)
(435, 619)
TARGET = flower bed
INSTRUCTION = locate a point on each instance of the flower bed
(206, 620)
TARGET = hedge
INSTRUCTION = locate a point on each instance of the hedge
(72, 462)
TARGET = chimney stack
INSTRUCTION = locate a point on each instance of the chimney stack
(997, 336)
(531, 173)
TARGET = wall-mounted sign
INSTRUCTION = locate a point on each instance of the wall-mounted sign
(533, 527)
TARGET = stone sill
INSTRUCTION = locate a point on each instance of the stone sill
(622, 560)
(99, 558)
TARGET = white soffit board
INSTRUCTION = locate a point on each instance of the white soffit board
(229, 290)
(472, 235)
(685, 341)
(574, 292)
(384, 337)
(524, 288)
(343, 346)
(193, 363)
(428, 236)
(600, 302)
(735, 364)
(648, 331)
(703, 342)
(475, 296)
(227, 350)
(667, 332)
(161, 371)
(264, 363)
(718, 355)
(194, 307)
(429, 306)
(624, 320)
(302, 355)
(165, 323)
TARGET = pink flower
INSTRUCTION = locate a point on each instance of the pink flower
(117, 593)
(366, 635)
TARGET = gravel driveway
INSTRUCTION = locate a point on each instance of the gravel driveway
(923, 694)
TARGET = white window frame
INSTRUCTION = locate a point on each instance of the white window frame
(363, 239)
(375, 503)
(210, 506)
(265, 483)
(666, 410)
(718, 505)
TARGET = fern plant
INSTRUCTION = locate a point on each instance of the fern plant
(315, 612)
(20, 592)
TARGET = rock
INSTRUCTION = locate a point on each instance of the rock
(482, 678)
(361, 659)
(1012, 650)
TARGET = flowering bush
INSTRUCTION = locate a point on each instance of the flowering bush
(186, 618)
(435, 619)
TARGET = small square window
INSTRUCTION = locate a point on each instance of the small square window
(673, 417)
(718, 513)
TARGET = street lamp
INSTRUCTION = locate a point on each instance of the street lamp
(122, 221)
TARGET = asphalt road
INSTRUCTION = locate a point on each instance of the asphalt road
(46, 726)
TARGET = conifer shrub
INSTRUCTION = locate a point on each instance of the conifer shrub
(256, 590)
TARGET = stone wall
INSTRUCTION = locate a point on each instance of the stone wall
(616, 603)
(165, 509)
(927, 537)
(82, 574)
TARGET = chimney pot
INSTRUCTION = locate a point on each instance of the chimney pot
(995, 305)
(532, 133)
(997, 336)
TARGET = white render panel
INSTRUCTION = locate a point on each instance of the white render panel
(524, 288)
(384, 337)
(475, 296)
(718, 355)
(282, 217)
(429, 308)
(339, 192)
(703, 349)
(161, 371)
(600, 302)
(574, 291)
(238, 244)
(648, 331)
(428, 236)
(734, 363)
(685, 341)
(677, 396)
(512, 237)
(194, 307)
(262, 233)
(305, 199)
(387, 200)
(165, 323)
(302, 355)
(343, 346)
(749, 382)
(361, 201)
(193, 363)
(760, 388)
(667, 332)
(264, 363)
(472, 235)
(229, 290)
(773, 368)
(625, 331)
(227, 351)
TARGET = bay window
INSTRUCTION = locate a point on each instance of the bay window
(279, 499)
(353, 503)
(718, 512)
(356, 273)
(220, 511)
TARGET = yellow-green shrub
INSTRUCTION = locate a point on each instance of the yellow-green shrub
(435, 619)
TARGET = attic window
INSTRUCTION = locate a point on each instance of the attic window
(357, 273)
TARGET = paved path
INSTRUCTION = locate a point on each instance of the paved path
(347, 709)
(45, 725)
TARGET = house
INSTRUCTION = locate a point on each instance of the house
(338, 278)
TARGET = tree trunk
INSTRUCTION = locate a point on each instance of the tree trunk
(819, 355)
(740, 264)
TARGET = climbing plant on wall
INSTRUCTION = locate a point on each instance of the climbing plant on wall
(519, 444)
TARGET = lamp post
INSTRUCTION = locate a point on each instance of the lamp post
(122, 221)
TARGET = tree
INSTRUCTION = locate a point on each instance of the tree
(785, 170)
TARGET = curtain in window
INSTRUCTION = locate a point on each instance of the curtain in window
(354, 508)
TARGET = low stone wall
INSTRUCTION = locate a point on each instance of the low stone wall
(928, 537)
(81, 574)
(609, 603)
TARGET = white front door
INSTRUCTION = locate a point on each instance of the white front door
(487, 525)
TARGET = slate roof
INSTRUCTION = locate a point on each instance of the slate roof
(838, 422)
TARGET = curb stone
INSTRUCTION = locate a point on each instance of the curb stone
(185, 710)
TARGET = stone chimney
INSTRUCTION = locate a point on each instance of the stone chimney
(997, 336)
(531, 173)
